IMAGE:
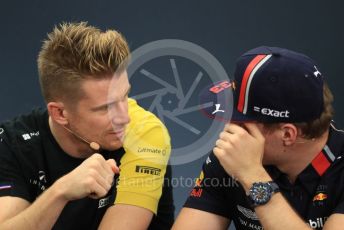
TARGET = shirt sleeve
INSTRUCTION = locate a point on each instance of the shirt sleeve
(12, 180)
(212, 189)
(143, 166)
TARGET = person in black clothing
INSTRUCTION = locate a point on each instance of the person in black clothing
(278, 164)
(75, 164)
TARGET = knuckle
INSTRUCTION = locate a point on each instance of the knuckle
(225, 145)
(235, 139)
(241, 134)
(110, 179)
(95, 164)
(228, 148)
(217, 142)
(222, 135)
(92, 172)
(103, 192)
(112, 162)
(97, 156)
(108, 187)
(217, 152)
(89, 182)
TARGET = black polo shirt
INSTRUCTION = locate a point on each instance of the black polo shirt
(31, 161)
(317, 192)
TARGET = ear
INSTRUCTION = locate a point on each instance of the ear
(58, 112)
(289, 134)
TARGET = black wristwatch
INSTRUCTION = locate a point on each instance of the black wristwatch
(260, 193)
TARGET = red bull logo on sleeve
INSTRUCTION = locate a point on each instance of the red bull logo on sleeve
(199, 179)
(197, 191)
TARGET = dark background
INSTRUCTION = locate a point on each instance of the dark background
(224, 28)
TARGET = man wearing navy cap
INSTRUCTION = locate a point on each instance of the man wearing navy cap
(278, 163)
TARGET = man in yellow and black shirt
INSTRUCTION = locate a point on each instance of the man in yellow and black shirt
(93, 158)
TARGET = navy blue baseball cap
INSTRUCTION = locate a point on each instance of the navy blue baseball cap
(277, 85)
(274, 85)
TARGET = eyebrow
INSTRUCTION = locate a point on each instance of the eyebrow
(100, 107)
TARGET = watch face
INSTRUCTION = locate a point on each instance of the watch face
(260, 193)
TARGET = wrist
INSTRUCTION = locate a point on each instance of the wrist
(257, 175)
(261, 192)
(59, 190)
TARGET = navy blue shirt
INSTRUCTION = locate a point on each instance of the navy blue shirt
(317, 192)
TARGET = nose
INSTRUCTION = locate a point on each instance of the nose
(119, 114)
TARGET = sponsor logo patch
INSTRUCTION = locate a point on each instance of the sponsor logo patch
(208, 161)
(247, 213)
(151, 150)
(320, 196)
(318, 222)
(148, 170)
(249, 225)
(28, 136)
(271, 112)
(316, 72)
(104, 202)
(199, 179)
(196, 192)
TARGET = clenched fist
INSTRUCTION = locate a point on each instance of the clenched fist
(93, 178)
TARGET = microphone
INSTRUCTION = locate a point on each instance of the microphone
(93, 145)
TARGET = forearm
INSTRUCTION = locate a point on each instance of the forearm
(277, 213)
(41, 214)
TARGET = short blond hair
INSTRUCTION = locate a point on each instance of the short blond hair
(74, 52)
